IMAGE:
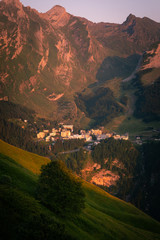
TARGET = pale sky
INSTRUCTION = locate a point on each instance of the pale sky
(113, 11)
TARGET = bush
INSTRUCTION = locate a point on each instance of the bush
(60, 190)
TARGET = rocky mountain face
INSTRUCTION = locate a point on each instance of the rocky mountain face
(148, 86)
(49, 60)
(135, 35)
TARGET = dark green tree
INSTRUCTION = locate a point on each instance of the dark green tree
(60, 190)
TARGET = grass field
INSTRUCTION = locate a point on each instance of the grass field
(136, 126)
(104, 217)
(28, 160)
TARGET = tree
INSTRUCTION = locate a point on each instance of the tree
(60, 190)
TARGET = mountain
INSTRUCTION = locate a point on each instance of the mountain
(103, 217)
(49, 60)
(148, 86)
(43, 65)
(135, 35)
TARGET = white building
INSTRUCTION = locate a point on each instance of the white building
(46, 131)
(117, 137)
(48, 138)
(41, 135)
(52, 134)
(101, 137)
(77, 136)
(65, 133)
(68, 127)
(96, 132)
(125, 137)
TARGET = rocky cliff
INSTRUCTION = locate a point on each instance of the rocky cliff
(46, 59)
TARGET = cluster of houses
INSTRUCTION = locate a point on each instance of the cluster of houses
(66, 132)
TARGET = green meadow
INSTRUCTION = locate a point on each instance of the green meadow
(104, 216)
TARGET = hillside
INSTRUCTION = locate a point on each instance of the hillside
(49, 59)
(148, 83)
(103, 217)
(28, 160)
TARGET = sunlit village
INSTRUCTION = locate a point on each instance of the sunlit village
(66, 132)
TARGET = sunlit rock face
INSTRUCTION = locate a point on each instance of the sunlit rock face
(49, 58)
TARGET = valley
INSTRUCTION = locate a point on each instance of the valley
(56, 59)
(81, 101)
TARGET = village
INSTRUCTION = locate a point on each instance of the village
(66, 132)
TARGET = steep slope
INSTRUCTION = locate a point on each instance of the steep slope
(43, 64)
(28, 160)
(27, 46)
(104, 216)
(148, 82)
(47, 58)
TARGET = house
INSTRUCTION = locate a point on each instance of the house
(77, 136)
(65, 133)
(101, 137)
(54, 132)
(96, 132)
(109, 135)
(82, 132)
(68, 127)
(125, 137)
(52, 139)
(41, 135)
(88, 137)
(48, 138)
(117, 137)
(46, 131)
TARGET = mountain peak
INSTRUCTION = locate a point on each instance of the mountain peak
(130, 19)
(14, 2)
(58, 15)
(131, 16)
(57, 10)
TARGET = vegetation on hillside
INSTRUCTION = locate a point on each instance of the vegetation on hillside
(23, 138)
(148, 100)
(22, 217)
(15, 131)
(117, 67)
(67, 145)
(9, 110)
(104, 217)
(60, 190)
(136, 166)
(121, 157)
(146, 192)
(100, 105)
(74, 160)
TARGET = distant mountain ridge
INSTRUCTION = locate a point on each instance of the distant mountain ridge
(46, 59)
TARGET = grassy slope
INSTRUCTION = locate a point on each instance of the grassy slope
(28, 160)
(105, 217)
